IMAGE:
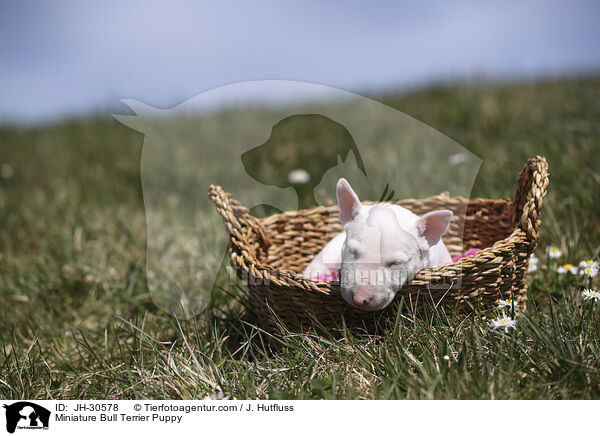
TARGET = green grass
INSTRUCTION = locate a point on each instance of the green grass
(78, 321)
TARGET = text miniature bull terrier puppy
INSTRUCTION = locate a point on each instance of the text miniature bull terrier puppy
(383, 247)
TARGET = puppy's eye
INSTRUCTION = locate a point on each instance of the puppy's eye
(353, 252)
(392, 264)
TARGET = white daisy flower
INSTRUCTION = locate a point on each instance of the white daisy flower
(567, 268)
(588, 264)
(553, 252)
(298, 176)
(508, 303)
(590, 294)
(504, 322)
(589, 268)
(458, 158)
(589, 271)
(532, 267)
(216, 396)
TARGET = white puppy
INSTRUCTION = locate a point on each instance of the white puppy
(383, 247)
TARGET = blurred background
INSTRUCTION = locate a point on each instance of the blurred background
(68, 58)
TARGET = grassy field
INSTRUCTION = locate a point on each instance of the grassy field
(78, 321)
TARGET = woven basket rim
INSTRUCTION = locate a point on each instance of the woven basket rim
(333, 207)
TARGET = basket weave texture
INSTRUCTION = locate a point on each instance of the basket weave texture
(270, 253)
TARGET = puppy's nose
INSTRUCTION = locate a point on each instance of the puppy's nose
(361, 299)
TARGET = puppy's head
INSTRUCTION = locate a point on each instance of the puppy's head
(382, 251)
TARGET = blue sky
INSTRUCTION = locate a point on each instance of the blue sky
(66, 58)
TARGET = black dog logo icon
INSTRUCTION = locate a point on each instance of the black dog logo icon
(28, 415)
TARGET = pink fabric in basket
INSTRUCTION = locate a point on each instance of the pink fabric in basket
(471, 252)
(327, 278)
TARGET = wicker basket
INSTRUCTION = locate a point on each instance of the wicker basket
(270, 253)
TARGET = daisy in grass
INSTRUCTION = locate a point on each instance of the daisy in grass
(298, 176)
(533, 262)
(553, 252)
(504, 322)
(589, 268)
(508, 303)
(216, 396)
(590, 294)
(588, 264)
(567, 268)
(590, 272)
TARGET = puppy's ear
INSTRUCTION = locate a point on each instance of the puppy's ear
(433, 225)
(348, 201)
